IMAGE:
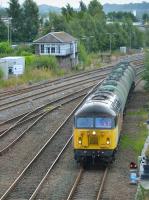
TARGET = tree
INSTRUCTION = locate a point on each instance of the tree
(14, 11)
(83, 7)
(119, 16)
(145, 18)
(58, 22)
(3, 32)
(31, 20)
(3, 12)
(95, 9)
(68, 12)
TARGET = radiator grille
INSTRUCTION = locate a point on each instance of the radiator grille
(93, 140)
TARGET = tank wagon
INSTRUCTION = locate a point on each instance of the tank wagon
(98, 121)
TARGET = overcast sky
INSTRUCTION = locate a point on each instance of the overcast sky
(74, 3)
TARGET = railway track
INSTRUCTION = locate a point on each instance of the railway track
(40, 162)
(23, 180)
(36, 86)
(74, 77)
(9, 138)
(39, 110)
(88, 184)
(37, 114)
(12, 93)
(7, 124)
(28, 178)
(51, 91)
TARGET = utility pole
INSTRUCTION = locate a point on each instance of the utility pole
(110, 39)
(7, 21)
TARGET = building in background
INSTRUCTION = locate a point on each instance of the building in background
(59, 44)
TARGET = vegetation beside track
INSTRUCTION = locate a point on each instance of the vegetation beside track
(146, 74)
(136, 141)
(40, 68)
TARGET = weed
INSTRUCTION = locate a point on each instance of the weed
(136, 141)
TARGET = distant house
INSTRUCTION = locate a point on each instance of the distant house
(59, 44)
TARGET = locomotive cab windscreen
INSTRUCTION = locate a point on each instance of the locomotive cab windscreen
(95, 122)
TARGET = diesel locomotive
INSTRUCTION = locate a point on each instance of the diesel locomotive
(98, 120)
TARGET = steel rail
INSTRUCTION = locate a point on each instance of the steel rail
(48, 172)
(44, 95)
(42, 107)
(75, 184)
(56, 81)
(102, 183)
(7, 192)
(62, 88)
(15, 182)
(59, 80)
(3, 132)
(5, 149)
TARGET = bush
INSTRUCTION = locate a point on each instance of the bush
(5, 48)
(39, 62)
(24, 50)
(82, 53)
(1, 74)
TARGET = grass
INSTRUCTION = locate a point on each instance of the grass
(135, 141)
(34, 75)
(136, 144)
(139, 112)
(46, 67)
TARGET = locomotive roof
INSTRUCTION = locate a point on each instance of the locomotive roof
(95, 108)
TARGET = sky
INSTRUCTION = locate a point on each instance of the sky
(73, 3)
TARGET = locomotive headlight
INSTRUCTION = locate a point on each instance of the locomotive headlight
(80, 140)
(94, 133)
(108, 141)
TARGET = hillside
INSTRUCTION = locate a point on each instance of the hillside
(45, 9)
(140, 8)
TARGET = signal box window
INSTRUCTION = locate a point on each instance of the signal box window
(52, 49)
(42, 48)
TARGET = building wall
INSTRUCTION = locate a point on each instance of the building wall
(37, 51)
(67, 61)
(4, 68)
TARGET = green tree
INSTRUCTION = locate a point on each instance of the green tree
(3, 32)
(119, 16)
(95, 9)
(5, 48)
(89, 26)
(145, 18)
(83, 7)
(3, 12)
(68, 12)
(15, 12)
(31, 20)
